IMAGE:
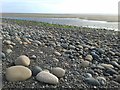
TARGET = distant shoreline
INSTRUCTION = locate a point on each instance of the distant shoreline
(108, 18)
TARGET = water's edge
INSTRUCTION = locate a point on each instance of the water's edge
(74, 22)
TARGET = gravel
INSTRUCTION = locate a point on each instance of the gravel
(50, 45)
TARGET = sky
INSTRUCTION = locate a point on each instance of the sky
(60, 6)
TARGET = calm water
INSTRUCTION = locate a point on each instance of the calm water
(74, 22)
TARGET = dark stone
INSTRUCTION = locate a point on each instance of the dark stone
(111, 71)
(2, 55)
(91, 72)
(92, 81)
(87, 75)
(36, 70)
(115, 64)
(95, 56)
(64, 46)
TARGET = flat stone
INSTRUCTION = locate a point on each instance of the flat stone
(57, 71)
(47, 77)
(18, 73)
(23, 60)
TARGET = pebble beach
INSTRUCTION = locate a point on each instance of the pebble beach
(39, 55)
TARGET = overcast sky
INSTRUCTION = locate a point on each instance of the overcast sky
(60, 6)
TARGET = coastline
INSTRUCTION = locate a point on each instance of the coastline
(108, 18)
(64, 39)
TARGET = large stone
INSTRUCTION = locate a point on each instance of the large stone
(92, 81)
(57, 71)
(18, 73)
(47, 77)
(23, 60)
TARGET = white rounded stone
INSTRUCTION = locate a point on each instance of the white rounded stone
(23, 60)
(47, 77)
(57, 71)
(18, 73)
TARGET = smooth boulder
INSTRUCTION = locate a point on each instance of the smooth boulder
(23, 60)
(57, 71)
(47, 77)
(18, 73)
